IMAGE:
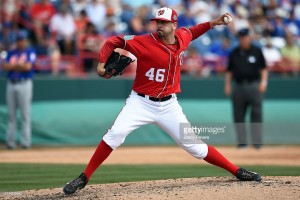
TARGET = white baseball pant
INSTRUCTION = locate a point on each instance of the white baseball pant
(139, 111)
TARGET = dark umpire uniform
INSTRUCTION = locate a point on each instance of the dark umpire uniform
(247, 68)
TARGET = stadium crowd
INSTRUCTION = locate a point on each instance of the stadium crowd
(67, 34)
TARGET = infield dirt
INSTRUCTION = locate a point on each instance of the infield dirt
(172, 189)
(190, 188)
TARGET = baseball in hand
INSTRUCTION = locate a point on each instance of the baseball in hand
(227, 19)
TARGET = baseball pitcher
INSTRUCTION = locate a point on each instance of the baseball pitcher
(153, 97)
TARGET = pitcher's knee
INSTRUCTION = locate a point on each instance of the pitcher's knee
(114, 139)
(199, 151)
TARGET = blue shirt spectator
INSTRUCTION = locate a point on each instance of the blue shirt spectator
(8, 35)
(185, 20)
(293, 24)
(222, 47)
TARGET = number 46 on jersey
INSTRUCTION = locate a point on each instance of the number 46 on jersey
(157, 75)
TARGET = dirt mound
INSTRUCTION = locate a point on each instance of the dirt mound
(189, 188)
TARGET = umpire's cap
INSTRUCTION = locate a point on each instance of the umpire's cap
(243, 32)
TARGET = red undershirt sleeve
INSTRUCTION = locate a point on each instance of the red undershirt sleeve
(109, 46)
(199, 29)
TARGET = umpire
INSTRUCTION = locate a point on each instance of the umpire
(19, 66)
(247, 69)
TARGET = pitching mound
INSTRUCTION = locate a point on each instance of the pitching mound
(189, 188)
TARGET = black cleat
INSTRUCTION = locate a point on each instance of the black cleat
(76, 184)
(245, 175)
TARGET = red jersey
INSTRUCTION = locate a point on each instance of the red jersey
(158, 64)
(42, 12)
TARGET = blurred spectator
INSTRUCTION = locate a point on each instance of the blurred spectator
(110, 29)
(199, 10)
(221, 48)
(264, 18)
(127, 14)
(23, 19)
(297, 10)
(138, 22)
(8, 36)
(271, 54)
(217, 59)
(260, 25)
(174, 4)
(278, 27)
(271, 6)
(291, 55)
(293, 24)
(241, 21)
(41, 13)
(81, 22)
(54, 54)
(255, 8)
(78, 6)
(89, 45)
(19, 66)
(185, 19)
(114, 7)
(66, 4)
(9, 10)
(63, 29)
(217, 8)
(96, 11)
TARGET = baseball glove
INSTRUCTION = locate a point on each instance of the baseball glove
(116, 64)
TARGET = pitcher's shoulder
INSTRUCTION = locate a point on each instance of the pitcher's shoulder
(183, 31)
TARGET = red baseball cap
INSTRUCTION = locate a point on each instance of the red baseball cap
(166, 14)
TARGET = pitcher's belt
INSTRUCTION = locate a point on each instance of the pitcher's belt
(166, 98)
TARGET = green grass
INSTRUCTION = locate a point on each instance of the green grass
(16, 177)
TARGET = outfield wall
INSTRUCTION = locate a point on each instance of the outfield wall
(96, 88)
(79, 111)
